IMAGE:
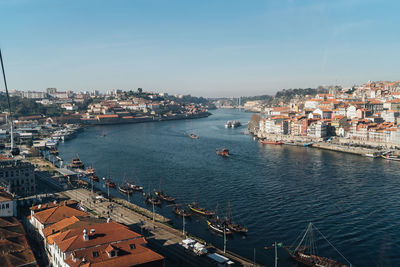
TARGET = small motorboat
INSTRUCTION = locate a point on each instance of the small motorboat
(223, 152)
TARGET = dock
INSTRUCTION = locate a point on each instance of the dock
(160, 235)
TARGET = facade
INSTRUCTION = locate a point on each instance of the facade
(8, 206)
(17, 177)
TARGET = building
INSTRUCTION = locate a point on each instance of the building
(42, 219)
(8, 205)
(15, 250)
(104, 244)
(17, 177)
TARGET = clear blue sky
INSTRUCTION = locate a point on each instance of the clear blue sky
(198, 47)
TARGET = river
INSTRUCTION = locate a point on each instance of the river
(273, 190)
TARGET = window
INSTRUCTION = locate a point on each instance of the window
(95, 254)
(112, 253)
(132, 246)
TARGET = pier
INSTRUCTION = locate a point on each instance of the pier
(158, 233)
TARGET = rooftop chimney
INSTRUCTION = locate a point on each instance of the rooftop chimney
(85, 235)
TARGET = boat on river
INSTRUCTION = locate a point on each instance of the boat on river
(150, 199)
(193, 136)
(202, 211)
(218, 226)
(181, 212)
(223, 152)
(306, 251)
(270, 142)
(110, 183)
(162, 196)
(232, 225)
(135, 187)
(94, 177)
(126, 190)
(235, 124)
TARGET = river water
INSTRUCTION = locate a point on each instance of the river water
(273, 190)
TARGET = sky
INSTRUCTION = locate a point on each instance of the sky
(206, 48)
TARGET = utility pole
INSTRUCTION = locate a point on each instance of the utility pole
(153, 212)
(183, 223)
(224, 239)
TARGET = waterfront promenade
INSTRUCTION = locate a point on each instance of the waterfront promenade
(161, 237)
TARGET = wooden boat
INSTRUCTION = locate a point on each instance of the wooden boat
(152, 200)
(234, 226)
(135, 187)
(218, 226)
(270, 142)
(202, 211)
(124, 189)
(162, 196)
(223, 152)
(110, 183)
(181, 212)
(307, 254)
(193, 136)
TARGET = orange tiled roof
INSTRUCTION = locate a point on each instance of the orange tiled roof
(128, 253)
(56, 214)
(104, 233)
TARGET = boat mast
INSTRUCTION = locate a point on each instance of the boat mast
(229, 210)
(301, 241)
(223, 225)
(276, 254)
(8, 100)
(183, 223)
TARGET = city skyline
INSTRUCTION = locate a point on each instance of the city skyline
(229, 48)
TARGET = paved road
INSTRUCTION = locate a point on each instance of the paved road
(163, 238)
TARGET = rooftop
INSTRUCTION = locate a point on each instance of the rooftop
(14, 248)
(56, 214)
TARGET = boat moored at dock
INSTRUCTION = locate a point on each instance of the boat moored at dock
(126, 190)
(218, 226)
(306, 251)
(150, 199)
(181, 212)
(162, 196)
(202, 211)
(270, 142)
(110, 183)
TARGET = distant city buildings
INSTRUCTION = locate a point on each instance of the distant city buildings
(368, 114)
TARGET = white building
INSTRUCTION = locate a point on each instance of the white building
(8, 206)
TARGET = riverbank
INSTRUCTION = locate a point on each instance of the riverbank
(334, 144)
(160, 235)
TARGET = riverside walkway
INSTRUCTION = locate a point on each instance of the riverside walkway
(161, 237)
